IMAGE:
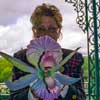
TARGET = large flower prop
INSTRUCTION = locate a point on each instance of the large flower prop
(44, 78)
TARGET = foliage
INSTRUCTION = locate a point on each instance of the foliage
(5, 70)
(85, 67)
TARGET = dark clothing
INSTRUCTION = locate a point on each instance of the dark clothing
(72, 68)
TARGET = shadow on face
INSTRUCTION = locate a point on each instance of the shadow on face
(47, 26)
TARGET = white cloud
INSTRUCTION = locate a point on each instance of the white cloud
(17, 36)
(11, 10)
(17, 32)
(72, 40)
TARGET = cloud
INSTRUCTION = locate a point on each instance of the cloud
(16, 36)
(15, 28)
(11, 10)
(72, 40)
(73, 36)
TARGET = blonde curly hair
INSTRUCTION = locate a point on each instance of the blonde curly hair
(46, 10)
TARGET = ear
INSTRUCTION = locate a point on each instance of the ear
(59, 32)
(34, 31)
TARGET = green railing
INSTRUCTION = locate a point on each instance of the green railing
(4, 97)
(88, 19)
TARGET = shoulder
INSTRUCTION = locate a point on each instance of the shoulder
(21, 54)
(77, 58)
(66, 52)
(17, 73)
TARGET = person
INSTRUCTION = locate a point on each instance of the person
(47, 20)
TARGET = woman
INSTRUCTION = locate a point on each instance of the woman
(47, 20)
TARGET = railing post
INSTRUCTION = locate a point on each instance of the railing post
(96, 50)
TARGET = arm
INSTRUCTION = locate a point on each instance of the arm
(16, 74)
(77, 71)
(73, 68)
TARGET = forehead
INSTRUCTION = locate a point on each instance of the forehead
(48, 20)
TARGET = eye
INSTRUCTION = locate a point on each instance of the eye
(52, 29)
(41, 29)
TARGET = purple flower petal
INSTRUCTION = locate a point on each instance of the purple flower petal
(40, 45)
(41, 91)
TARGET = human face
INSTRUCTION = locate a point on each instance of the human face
(47, 26)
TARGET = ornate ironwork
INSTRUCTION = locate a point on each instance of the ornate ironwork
(88, 18)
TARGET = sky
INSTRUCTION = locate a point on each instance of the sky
(15, 26)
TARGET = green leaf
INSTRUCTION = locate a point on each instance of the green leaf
(18, 63)
(66, 59)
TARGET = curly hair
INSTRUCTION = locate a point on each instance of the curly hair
(46, 10)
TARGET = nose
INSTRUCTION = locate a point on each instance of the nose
(46, 26)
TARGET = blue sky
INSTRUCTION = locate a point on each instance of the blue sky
(15, 26)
